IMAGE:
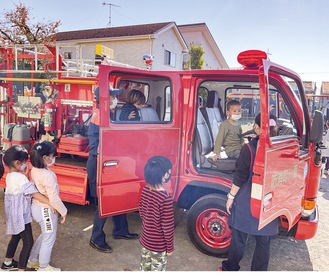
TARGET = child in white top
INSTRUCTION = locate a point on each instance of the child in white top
(43, 155)
(18, 198)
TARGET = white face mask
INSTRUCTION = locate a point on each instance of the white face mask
(114, 103)
(52, 162)
(23, 167)
(236, 117)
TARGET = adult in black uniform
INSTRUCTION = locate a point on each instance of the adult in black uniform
(241, 221)
(120, 230)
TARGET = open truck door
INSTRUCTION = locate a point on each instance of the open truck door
(125, 146)
(282, 162)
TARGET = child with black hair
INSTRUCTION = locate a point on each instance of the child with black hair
(229, 134)
(157, 214)
(18, 198)
(43, 155)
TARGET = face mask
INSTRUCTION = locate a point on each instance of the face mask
(166, 179)
(235, 117)
(114, 103)
(52, 162)
(23, 167)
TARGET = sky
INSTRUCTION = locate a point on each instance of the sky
(294, 33)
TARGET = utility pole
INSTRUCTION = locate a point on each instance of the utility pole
(110, 6)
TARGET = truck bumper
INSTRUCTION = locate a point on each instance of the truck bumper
(307, 228)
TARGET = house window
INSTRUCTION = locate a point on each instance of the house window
(170, 58)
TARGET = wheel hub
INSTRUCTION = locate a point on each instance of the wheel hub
(212, 228)
(216, 227)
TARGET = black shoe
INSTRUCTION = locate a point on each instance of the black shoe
(12, 266)
(129, 236)
(102, 248)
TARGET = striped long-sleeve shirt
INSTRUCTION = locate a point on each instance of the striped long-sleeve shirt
(157, 214)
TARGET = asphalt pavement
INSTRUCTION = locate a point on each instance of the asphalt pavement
(72, 251)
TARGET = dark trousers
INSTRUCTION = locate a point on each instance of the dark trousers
(120, 224)
(237, 248)
(327, 164)
(120, 227)
(27, 239)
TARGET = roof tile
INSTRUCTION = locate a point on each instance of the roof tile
(134, 30)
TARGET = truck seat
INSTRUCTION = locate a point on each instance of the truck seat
(205, 146)
(214, 115)
(147, 113)
(203, 134)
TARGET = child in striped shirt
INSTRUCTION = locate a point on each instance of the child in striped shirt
(157, 214)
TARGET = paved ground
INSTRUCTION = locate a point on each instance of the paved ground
(73, 253)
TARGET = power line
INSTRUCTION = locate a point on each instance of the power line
(110, 7)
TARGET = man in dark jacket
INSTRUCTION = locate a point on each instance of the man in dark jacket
(120, 230)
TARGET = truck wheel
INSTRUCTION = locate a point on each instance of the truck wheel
(207, 225)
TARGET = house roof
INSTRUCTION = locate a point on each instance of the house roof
(112, 32)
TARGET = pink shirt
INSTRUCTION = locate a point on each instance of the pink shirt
(46, 182)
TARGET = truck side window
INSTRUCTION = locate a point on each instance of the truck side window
(158, 101)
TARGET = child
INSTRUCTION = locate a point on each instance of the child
(18, 198)
(135, 100)
(229, 135)
(43, 155)
(157, 214)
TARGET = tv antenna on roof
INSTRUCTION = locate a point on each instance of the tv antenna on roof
(110, 6)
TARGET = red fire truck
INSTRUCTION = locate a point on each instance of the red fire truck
(180, 120)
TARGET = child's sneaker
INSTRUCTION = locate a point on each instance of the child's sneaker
(49, 268)
(33, 263)
(12, 266)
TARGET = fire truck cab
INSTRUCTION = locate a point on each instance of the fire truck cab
(180, 120)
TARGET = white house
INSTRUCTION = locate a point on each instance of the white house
(199, 34)
(166, 42)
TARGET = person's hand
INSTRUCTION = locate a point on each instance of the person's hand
(132, 115)
(63, 219)
(229, 204)
(53, 210)
(170, 253)
(215, 157)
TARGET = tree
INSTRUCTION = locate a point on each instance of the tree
(17, 27)
(196, 53)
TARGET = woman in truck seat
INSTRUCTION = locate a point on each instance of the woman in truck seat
(130, 110)
(241, 221)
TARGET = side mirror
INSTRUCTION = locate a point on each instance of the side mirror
(317, 127)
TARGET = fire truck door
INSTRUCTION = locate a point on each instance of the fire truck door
(123, 155)
(280, 166)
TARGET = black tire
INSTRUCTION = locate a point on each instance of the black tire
(207, 225)
(177, 215)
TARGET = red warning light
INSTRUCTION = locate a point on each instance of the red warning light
(251, 58)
